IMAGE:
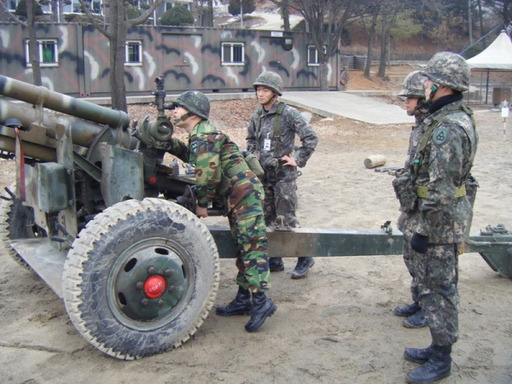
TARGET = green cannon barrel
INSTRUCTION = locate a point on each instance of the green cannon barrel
(62, 103)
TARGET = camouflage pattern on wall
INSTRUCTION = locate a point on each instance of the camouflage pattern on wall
(189, 58)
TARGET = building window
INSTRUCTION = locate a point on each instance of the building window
(232, 54)
(74, 6)
(12, 5)
(46, 7)
(133, 52)
(48, 54)
(313, 55)
(170, 4)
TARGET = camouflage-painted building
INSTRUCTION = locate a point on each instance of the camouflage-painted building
(75, 58)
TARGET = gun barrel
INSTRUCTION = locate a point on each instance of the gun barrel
(62, 103)
(83, 131)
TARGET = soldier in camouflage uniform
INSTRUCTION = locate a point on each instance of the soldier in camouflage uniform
(271, 137)
(439, 172)
(218, 160)
(416, 105)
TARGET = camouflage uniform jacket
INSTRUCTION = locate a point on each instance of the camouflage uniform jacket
(408, 218)
(443, 166)
(261, 127)
(214, 154)
(414, 139)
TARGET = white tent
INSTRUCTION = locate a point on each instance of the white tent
(497, 56)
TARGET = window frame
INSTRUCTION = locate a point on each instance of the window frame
(127, 44)
(76, 4)
(230, 62)
(8, 3)
(40, 46)
(312, 48)
(171, 4)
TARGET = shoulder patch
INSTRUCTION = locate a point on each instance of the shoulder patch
(194, 146)
(295, 113)
(440, 135)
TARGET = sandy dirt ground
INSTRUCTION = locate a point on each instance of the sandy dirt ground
(335, 326)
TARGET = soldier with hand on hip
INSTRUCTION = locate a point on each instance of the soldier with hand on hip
(271, 137)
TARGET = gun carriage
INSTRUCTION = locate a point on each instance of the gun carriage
(104, 222)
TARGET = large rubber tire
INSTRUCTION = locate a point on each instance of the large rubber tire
(17, 222)
(114, 256)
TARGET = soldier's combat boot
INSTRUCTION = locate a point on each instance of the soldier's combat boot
(406, 310)
(415, 321)
(302, 267)
(240, 306)
(275, 264)
(262, 307)
(418, 355)
(436, 368)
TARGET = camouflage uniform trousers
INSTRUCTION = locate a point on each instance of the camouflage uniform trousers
(406, 224)
(412, 266)
(248, 229)
(437, 275)
(281, 200)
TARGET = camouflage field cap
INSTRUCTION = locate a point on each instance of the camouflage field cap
(270, 80)
(413, 85)
(448, 69)
(195, 102)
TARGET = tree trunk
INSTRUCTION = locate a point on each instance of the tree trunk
(324, 70)
(208, 15)
(384, 51)
(369, 55)
(481, 23)
(285, 15)
(33, 49)
(116, 78)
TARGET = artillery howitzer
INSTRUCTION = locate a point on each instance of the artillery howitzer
(94, 212)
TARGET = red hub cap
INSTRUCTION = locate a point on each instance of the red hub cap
(155, 286)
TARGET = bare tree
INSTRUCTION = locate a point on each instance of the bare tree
(30, 24)
(285, 15)
(326, 20)
(502, 9)
(115, 30)
(368, 16)
(388, 20)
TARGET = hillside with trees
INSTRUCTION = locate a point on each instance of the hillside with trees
(380, 30)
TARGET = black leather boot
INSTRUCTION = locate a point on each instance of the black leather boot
(436, 368)
(240, 306)
(406, 310)
(302, 267)
(275, 264)
(262, 307)
(415, 321)
(420, 356)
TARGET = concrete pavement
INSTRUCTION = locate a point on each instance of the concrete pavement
(356, 107)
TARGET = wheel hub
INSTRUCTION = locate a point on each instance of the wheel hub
(155, 286)
(148, 281)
